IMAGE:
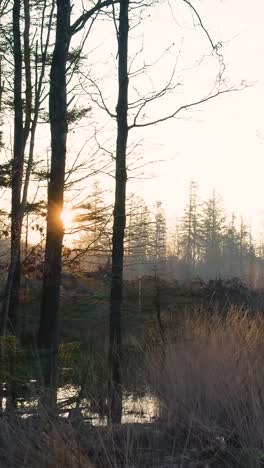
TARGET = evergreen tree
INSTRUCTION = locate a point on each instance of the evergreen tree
(211, 236)
(231, 249)
(94, 223)
(243, 247)
(252, 261)
(137, 235)
(173, 247)
(158, 237)
(26, 36)
(189, 242)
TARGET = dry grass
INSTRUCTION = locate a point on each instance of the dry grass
(33, 444)
(211, 385)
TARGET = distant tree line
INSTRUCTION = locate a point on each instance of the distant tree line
(205, 242)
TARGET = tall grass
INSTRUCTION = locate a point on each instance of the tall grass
(33, 444)
(211, 386)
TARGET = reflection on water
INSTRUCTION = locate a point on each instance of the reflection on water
(143, 409)
(135, 408)
(138, 409)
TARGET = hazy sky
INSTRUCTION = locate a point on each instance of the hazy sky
(219, 144)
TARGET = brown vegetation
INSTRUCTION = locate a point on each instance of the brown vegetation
(208, 381)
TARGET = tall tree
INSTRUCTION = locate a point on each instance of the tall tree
(48, 335)
(13, 281)
(58, 116)
(212, 231)
(93, 222)
(190, 230)
(231, 249)
(251, 260)
(137, 236)
(1, 99)
(27, 101)
(3, 9)
(139, 119)
(119, 222)
(158, 241)
(244, 243)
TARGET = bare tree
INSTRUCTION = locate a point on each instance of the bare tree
(119, 223)
(137, 109)
(48, 335)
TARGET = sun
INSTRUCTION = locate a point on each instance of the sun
(67, 217)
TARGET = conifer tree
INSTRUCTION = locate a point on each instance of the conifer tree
(231, 249)
(189, 231)
(211, 236)
(158, 242)
(137, 236)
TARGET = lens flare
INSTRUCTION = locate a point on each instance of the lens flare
(67, 217)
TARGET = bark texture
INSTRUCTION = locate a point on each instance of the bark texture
(9, 308)
(48, 336)
(22, 127)
(48, 330)
(119, 224)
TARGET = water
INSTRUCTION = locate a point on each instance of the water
(136, 409)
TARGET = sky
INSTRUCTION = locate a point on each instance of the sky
(219, 144)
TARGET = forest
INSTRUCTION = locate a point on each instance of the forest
(130, 336)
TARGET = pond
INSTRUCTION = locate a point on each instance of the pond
(136, 409)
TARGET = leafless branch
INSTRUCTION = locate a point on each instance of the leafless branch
(102, 105)
(188, 106)
(82, 20)
(215, 46)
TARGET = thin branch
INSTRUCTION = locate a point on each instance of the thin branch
(186, 107)
(215, 46)
(103, 105)
(82, 20)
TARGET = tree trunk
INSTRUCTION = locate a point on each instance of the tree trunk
(115, 343)
(48, 331)
(21, 133)
(1, 99)
(9, 310)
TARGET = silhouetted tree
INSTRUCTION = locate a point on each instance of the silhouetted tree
(189, 239)
(48, 335)
(158, 237)
(137, 242)
(48, 332)
(211, 237)
(13, 281)
(243, 246)
(26, 106)
(94, 224)
(231, 249)
(119, 221)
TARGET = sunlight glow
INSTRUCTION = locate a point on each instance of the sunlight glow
(67, 217)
